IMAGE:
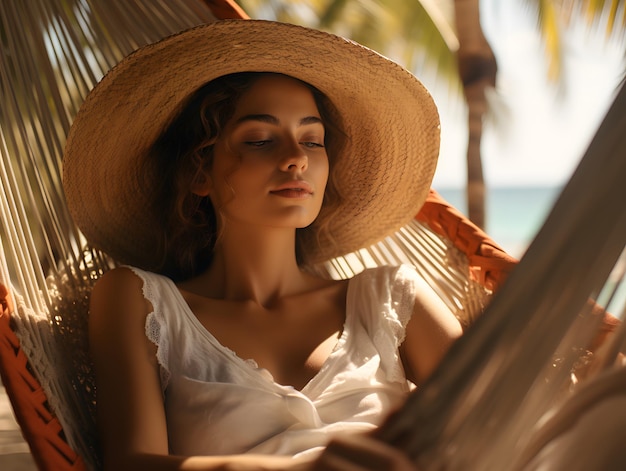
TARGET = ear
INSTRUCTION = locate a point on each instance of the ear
(202, 184)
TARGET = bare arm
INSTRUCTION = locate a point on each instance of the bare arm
(429, 334)
(130, 410)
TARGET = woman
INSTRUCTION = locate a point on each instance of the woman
(221, 164)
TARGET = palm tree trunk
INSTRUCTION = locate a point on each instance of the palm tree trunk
(477, 69)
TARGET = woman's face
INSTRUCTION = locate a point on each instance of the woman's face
(270, 166)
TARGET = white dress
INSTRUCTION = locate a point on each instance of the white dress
(218, 403)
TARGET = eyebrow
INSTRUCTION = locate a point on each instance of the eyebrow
(268, 118)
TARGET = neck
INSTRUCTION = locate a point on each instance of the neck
(258, 266)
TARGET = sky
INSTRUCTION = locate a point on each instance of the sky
(541, 131)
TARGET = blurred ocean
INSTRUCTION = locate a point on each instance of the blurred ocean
(514, 214)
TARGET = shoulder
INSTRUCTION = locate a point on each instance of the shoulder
(126, 282)
(118, 297)
(126, 277)
(120, 282)
(117, 278)
(386, 293)
(401, 283)
(386, 274)
(118, 313)
(404, 283)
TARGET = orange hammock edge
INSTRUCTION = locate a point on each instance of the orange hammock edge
(489, 264)
(38, 424)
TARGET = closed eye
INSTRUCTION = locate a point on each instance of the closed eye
(260, 143)
(310, 144)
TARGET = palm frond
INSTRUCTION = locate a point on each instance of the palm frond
(598, 12)
(553, 16)
(549, 27)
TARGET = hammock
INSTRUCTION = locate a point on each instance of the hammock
(53, 53)
(491, 395)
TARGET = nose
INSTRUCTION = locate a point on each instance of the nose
(294, 158)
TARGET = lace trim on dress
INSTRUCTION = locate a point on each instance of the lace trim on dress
(397, 312)
(154, 327)
(403, 293)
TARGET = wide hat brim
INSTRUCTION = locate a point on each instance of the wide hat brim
(390, 118)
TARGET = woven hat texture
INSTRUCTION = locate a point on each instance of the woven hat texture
(390, 119)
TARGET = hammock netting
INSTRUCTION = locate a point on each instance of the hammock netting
(525, 347)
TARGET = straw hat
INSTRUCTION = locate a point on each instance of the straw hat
(385, 172)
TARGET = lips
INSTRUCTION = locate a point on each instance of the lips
(293, 189)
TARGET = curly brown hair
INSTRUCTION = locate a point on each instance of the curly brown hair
(189, 224)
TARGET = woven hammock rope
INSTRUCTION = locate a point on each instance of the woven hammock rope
(53, 52)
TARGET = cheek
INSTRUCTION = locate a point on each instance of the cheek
(224, 169)
(237, 181)
(322, 172)
(221, 189)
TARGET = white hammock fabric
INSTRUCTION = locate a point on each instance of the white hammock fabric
(53, 53)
